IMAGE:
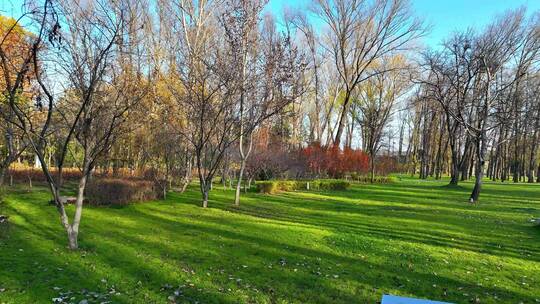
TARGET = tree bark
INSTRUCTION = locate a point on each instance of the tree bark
(73, 232)
(372, 167)
(243, 157)
(533, 156)
(205, 189)
(2, 175)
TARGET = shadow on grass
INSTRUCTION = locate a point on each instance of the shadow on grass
(176, 242)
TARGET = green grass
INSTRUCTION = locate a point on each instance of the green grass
(411, 238)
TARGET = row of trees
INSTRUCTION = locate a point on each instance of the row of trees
(103, 77)
(477, 98)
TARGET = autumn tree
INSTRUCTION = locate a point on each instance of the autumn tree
(267, 69)
(16, 87)
(375, 100)
(97, 95)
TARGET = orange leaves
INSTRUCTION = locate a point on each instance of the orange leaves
(321, 160)
(14, 45)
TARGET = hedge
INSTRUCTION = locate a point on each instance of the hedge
(274, 186)
(109, 191)
(376, 179)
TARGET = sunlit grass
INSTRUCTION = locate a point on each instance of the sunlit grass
(412, 238)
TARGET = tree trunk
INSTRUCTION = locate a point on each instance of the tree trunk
(533, 155)
(481, 147)
(454, 173)
(72, 240)
(187, 176)
(478, 182)
(205, 190)
(164, 188)
(243, 155)
(372, 168)
(239, 183)
(2, 175)
(342, 118)
(73, 233)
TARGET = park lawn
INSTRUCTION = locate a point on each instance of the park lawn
(411, 238)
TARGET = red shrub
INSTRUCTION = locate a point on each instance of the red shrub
(320, 160)
(385, 165)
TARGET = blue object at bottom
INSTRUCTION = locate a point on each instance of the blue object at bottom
(389, 299)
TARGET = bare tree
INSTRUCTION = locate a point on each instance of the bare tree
(268, 71)
(450, 80)
(202, 71)
(95, 101)
(361, 33)
(375, 101)
(495, 47)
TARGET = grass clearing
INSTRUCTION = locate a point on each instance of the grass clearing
(411, 238)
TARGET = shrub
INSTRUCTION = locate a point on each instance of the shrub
(330, 160)
(24, 174)
(274, 186)
(335, 185)
(111, 191)
(287, 185)
(376, 179)
(268, 187)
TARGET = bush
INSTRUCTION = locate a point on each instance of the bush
(376, 179)
(331, 161)
(334, 185)
(24, 174)
(111, 191)
(287, 186)
(270, 187)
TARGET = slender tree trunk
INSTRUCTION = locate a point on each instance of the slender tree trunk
(481, 144)
(244, 157)
(533, 156)
(342, 118)
(239, 183)
(2, 175)
(454, 172)
(187, 176)
(205, 189)
(372, 167)
(479, 170)
(73, 232)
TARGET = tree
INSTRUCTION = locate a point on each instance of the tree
(218, 61)
(15, 87)
(450, 81)
(95, 101)
(375, 102)
(362, 33)
(268, 72)
(495, 47)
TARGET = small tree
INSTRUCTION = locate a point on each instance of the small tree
(95, 102)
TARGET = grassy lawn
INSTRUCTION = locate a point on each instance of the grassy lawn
(412, 238)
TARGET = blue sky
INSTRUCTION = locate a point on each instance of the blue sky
(445, 16)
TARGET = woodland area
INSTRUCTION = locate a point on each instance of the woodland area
(182, 91)
(223, 152)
